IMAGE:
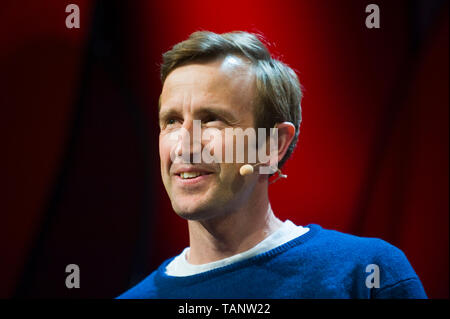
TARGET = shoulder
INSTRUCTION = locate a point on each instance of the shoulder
(330, 249)
(339, 242)
(348, 247)
(362, 256)
(146, 288)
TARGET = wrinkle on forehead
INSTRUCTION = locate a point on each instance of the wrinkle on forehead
(228, 79)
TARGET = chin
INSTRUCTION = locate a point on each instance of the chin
(194, 211)
(190, 213)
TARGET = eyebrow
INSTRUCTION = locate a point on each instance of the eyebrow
(163, 115)
(202, 111)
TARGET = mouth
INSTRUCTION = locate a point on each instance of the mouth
(191, 175)
(188, 178)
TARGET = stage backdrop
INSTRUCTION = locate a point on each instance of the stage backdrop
(80, 164)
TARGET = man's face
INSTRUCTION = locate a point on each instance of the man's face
(221, 95)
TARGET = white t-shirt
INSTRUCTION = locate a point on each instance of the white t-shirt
(179, 266)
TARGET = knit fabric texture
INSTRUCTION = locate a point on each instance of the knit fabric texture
(319, 264)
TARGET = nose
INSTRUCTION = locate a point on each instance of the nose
(189, 146)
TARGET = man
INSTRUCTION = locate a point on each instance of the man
(238, 248)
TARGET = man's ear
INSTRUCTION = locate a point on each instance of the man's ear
(286, 133)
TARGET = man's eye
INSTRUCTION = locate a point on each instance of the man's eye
(171, 121)
(211, 119)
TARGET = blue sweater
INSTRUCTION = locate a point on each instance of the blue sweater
(319, 264)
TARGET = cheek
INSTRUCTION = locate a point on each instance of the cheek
(229, 165)
(233, 151)
(228, 146)
(165, 147)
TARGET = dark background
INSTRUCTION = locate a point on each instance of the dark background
(79, 145)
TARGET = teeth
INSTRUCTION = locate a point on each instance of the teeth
(186, 175)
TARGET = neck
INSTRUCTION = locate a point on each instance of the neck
(232, 233)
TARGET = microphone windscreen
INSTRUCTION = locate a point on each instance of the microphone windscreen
(246, 170)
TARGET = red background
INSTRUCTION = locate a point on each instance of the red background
(80, 165)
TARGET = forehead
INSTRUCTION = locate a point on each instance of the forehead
(227, 81)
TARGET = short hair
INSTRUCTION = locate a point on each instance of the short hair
(278, 89)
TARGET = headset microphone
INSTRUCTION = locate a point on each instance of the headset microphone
(248, 169)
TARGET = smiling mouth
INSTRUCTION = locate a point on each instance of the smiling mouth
(192, 175)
